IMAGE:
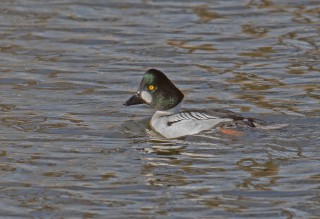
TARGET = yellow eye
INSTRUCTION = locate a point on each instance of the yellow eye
(151, 87)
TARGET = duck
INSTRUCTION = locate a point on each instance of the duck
(160, 93)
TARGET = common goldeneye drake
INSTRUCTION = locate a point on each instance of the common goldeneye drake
(160, 93)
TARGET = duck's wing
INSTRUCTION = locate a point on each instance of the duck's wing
(237, 118)
(217, 115)
(195, 115)
(245, 121)
(220, 116)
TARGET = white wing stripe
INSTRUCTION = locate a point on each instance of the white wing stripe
(189, 115)
(202, 115)
(179, 116)
(196, 115)
(184, 115)
(211, 117)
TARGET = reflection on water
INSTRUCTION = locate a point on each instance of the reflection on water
(190, 48)
(259, 171)
(70, 149)
(205, 15)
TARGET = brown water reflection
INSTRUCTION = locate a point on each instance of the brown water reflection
(69, 149)
(205, 15)
(190, 48)
(258, 171)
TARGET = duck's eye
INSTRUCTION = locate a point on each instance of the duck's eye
(151, 87)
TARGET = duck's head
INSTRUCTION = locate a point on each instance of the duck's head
(157, 91)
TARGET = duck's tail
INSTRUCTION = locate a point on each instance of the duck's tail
(269, 126)
(260, 124)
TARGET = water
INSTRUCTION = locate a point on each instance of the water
(69, 149)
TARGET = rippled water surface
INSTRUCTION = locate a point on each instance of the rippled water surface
(69, 149)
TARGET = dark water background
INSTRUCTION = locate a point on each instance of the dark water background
(69, 149)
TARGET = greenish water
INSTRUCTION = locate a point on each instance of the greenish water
(69, 149)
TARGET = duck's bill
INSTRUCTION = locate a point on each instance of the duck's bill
(134, 100)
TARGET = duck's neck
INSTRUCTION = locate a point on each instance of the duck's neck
(171, 111)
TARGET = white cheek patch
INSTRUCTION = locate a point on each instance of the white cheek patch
(146, 96)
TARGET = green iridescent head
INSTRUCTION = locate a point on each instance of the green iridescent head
(157, 91)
